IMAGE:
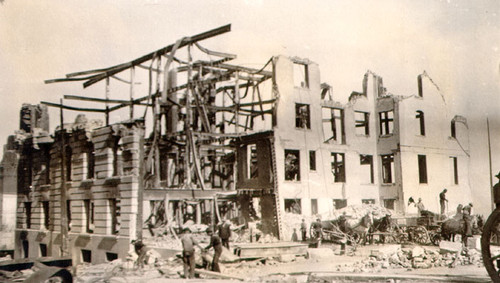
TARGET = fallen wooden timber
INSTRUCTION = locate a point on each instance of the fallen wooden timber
(257, 250)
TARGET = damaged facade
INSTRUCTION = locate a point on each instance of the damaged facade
(226, 142)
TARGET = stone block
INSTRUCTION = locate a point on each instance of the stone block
(450, 247)
(474, 243)
(320, 253)
(417, 251)
(286, 258)
(385, 250)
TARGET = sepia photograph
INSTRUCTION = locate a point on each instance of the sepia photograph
(250, 141)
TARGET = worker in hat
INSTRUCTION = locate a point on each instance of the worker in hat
(188, 258)
(443, 200)
(216, 243)
(496, 191)
(467, 216)
(420, 206)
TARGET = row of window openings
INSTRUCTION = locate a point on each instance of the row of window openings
(292, 167)
(333, 122)
(295, 205)
(86, 255)
(114, 208)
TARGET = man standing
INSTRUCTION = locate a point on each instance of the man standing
(420, 207)
(318, 229)
(496, 191)
(188, 258)
(216, 243)
(467, 216)
(442, 200)
(225, 233)
(303, 229)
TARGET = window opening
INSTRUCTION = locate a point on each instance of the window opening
(293, 206)
(362, 123)
(27, 207)
(114, 205)
(43, 250)
(253, 169)
(68, 213)
(312, 160)
(386, 122)
(422, 169)
(86, 256)
(420, 118)
(454, 161)
(89, 215)
(453, 130)
(69, 156)
(111, 256)
(387, 168)
(46, 214)
(302, 116)
(338, 167)
(366, 162)
(368, 201)
(339, 203)
(333, 124)
(300, 75)
(292, 165)
(90, 160)
(117, 158)
(419, 83)
(314, 206)
(389, 203)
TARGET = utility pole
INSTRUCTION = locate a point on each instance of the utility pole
(491, 170)
(64, 212)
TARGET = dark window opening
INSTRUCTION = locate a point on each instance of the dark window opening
(47, 167)
(86, 256)
(90, 160)
(419, 83)
(422, 169)
(117, 158)
(114, 205)
(293, 206)
(111, 256)
(333, 124)
(292, 165)
(362, 123)
(314, 206)
(386, 122)
(453, 130)
(68, 213)
(339, 203)
(338, 167)
(253, 169)
(389, 203)
(366, 162)
(387, 168)
(420, 118)
(455, 169)
(27, 207)
(43, 250)
(368, 201)
(302, 116)
(68, 156)
(46, 214)
(26, 248)
(312, 160)
(300, 75)
(89, 215)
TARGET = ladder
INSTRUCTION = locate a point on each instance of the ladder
(277, 209)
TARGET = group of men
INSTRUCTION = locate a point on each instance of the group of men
(217, 241)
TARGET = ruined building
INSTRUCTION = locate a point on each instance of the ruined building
(222, 142)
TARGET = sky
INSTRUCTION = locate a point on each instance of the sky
(456, 42)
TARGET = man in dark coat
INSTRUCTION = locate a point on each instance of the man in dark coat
(216, 243)
(225, 233)
(303, 230)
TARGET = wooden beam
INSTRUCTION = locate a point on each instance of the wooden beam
(73, 108)
(214, 53)
(186, 41)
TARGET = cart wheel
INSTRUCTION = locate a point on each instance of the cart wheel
(490, 245)
(420, 235)
(435, 239)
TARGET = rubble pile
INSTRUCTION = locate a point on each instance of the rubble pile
(414, 258)
(253, 234)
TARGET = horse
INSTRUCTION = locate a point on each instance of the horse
(358, 228)
(456, 226)
(383, 224)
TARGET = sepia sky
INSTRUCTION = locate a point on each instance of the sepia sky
(456, 42)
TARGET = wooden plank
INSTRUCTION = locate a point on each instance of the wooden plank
(214, 53)
(186, 41)
(73, 108)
